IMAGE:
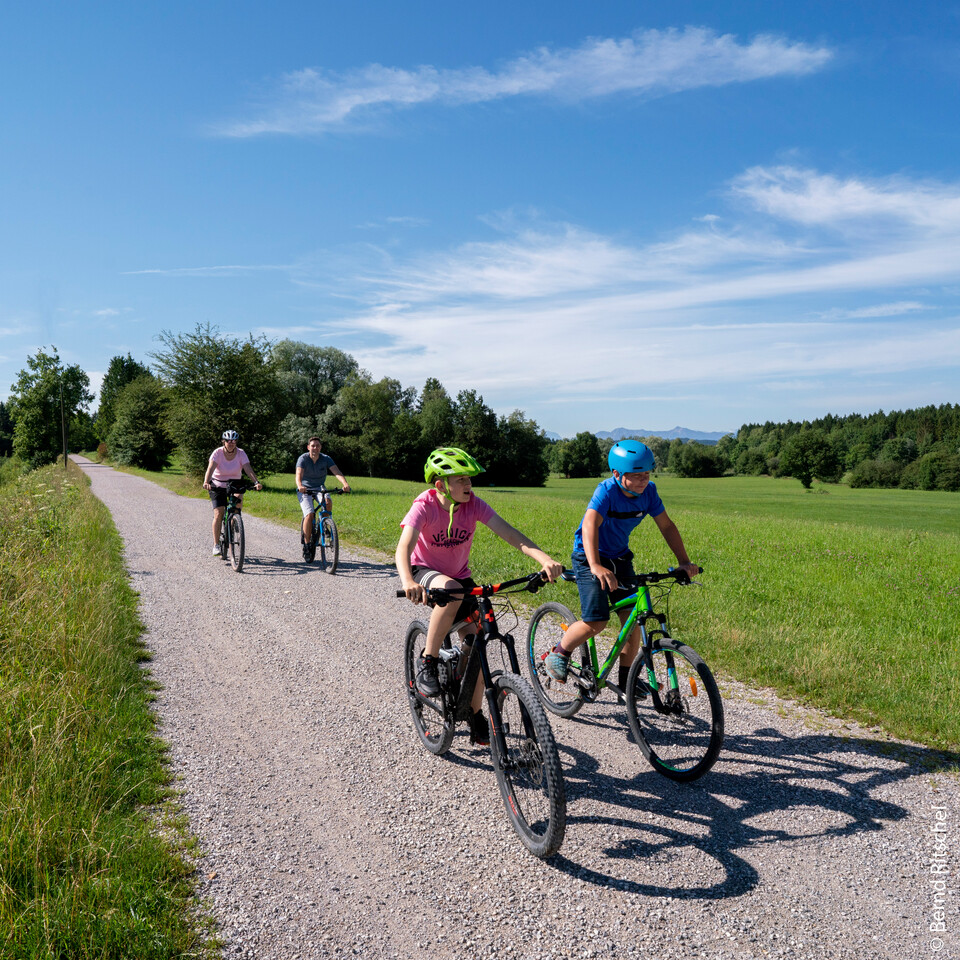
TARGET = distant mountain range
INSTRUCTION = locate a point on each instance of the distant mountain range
(684, 433)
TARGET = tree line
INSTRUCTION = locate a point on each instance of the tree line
(276, 395)
(279, 394)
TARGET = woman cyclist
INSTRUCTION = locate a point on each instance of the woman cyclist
(228, 462)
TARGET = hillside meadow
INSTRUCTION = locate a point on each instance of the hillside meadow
(848, 600)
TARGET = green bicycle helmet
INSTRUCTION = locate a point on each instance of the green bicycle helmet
(450, 462)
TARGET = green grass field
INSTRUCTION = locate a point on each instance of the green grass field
(845, 599)
(92, 860)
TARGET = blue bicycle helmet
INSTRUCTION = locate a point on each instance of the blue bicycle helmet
(630, 456)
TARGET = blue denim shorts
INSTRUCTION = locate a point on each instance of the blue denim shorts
(594, 600)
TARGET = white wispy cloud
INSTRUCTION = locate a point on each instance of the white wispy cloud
(232, 270)
(650, 63)
(809, 198)
(566, 312)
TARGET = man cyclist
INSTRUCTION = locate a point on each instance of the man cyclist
(312, 469)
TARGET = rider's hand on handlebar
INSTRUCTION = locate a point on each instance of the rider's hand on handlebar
(552, 570)
(608, 579)
(690, 569)
(415, 592)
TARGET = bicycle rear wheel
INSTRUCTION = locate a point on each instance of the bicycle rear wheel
(236, 542)
(329, 545)
(547, 627)
(433, 716)
(530, 776)
(678, 726)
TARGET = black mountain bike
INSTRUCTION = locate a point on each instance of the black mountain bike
(231, 530)
(325, 536)
(524, 752)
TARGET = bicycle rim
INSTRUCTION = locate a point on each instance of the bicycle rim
(434, 729)
(547, 627)
(331, 542)
(530, 776)
(679, 727)
(236, 542)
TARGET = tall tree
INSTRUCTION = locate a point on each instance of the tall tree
(6, 431)
(138, 436)
(435, 415)
(520, 459)
(360, 427)
(35, 405)
(120, 372)
(310, 376)
(475, 427)
(219, 383)
(808, 455)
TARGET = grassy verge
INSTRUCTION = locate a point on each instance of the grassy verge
(845, 599)
(93, 861)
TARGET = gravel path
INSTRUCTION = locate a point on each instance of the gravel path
(329, 832)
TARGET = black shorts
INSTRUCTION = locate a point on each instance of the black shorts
(218, 495)
(427, 578)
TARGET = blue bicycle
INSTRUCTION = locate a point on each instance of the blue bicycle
(325, 537)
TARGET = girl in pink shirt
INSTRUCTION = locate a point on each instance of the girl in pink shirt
(434, 551)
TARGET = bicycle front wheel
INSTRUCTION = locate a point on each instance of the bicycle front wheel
(432, 720)
(329, 545)
(547, 627)
(236, 542)
(529, 775)
(678, 726)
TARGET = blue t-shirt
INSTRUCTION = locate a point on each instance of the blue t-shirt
(621, 514)
(314, 475)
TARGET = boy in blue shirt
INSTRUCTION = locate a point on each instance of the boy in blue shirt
(601, 552)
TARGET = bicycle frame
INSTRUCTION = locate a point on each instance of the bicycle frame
(322, 511)
(641, 610)
(477, 662)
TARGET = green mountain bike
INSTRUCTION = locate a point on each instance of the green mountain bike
(232, 539)
(673, 702)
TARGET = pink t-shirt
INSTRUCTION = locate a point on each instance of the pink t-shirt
(224, 469)
(435, 549)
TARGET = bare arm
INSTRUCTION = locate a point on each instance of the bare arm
(526, 546)
(211, 466)
(408, 540)
(248, 470)
(335, 470)
(299, 480)
(591, 547)
(675, 542)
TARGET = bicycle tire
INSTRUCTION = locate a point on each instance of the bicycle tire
(530, 777)
(680, 731)
(329, 546)
(547, 626)
(237, 543)
(434, 729)
(224, 541)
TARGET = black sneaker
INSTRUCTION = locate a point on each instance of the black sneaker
(307, 553)
(428, 683)
(479, 729)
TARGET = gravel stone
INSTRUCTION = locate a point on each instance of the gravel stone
(328, 832)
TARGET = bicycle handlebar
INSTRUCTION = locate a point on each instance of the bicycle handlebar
(641, 579)
(240, 486)
(532, 582)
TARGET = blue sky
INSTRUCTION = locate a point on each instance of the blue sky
(612, 214)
